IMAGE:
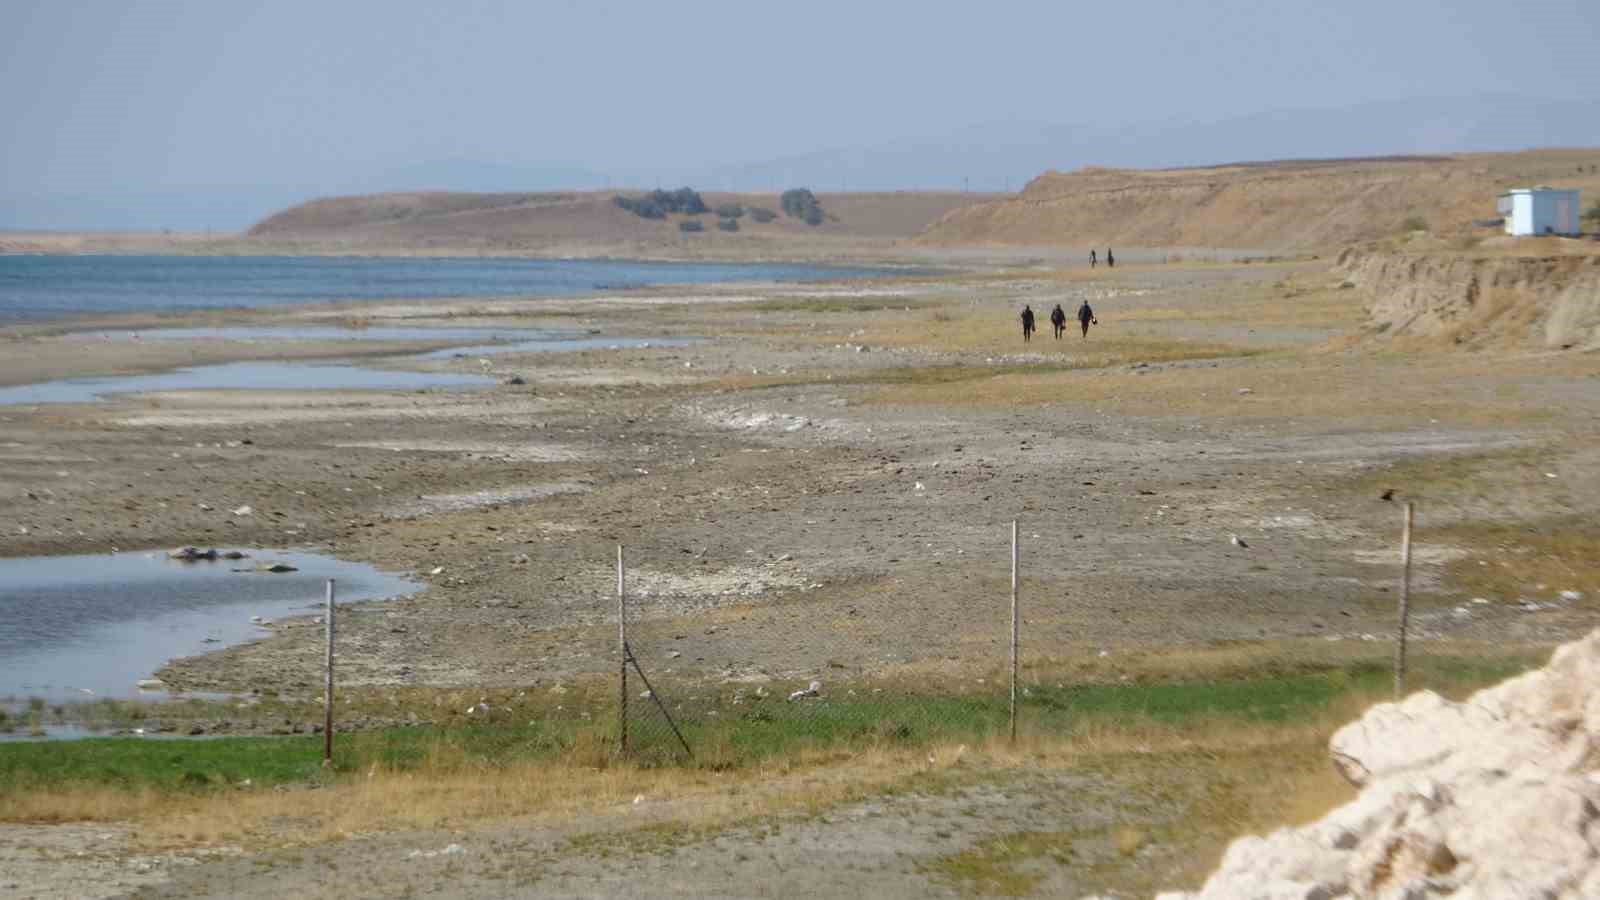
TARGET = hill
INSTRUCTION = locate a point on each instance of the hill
(1281, 205)
(592, 222)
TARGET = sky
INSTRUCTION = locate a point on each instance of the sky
(167, 114)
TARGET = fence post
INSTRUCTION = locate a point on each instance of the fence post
(327, 683)
(1014, 554)
(622, 648)
(1405, 606)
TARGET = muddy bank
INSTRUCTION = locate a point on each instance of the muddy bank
(1530, 299)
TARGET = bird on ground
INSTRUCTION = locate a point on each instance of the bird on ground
(1237, 541)
(1388, 495)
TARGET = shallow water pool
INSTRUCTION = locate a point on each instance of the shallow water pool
(84, 627)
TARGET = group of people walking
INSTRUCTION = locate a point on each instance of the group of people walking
(1058, 316)
(1058, 319)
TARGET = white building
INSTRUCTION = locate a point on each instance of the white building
(1540, 210)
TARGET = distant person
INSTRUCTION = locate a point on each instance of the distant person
(1086, 316)
(1111, 261)
(1027, 323)
(1058, 319)
(1093, 260)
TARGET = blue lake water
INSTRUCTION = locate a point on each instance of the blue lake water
(83, 627)
(51, 287)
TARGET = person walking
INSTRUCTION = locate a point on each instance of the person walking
(1093, 260)
(1027, 323)
(1086, 317)
(1111, 261)
(1058, 319)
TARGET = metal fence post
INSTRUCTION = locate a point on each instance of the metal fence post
(1405, 606)
(1014, 558)
(622, 648)
(327, 684)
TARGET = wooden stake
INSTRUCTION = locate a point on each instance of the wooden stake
(327, 683)
(622, 648)
(1014, 557)
(1405, 607)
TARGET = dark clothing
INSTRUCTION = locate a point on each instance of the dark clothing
(1059, 320)
(1111, 261)
(1093, 261)
(1086, 317)
(1027, 323)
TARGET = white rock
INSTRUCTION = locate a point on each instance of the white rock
(1494, 797)
(812, 690)
(243, 511)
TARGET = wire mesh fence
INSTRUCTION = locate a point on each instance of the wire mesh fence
(841, 672)
(756, 663)
(831, 672)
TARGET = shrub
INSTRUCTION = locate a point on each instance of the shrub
(643, 207)
(1593, 213)
(690, 225)
(762, 214)
(657, 204)
(1414, 223)
(730, 210)
(728, 224)
(800, 203)
(685, 200)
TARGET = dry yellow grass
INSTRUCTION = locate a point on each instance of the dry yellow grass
(1281, 387)
(448, 793)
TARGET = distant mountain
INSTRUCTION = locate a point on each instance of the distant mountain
(478, 176)
(216, 208)
(994, 156)
(1003, 155)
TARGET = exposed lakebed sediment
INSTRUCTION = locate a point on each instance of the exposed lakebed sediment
(784, 521)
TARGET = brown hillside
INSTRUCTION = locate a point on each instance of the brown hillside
(586, 221)
(1279, 205)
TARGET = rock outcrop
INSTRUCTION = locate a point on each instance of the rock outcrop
(1495, 798)
(1540, 292)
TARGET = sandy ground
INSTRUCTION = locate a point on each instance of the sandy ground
(806, 492)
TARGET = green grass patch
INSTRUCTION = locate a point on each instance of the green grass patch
(175, 765)
(724, 735)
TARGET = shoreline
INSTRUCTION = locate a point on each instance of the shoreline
(836, 400)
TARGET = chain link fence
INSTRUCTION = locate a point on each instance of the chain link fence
(748, 675)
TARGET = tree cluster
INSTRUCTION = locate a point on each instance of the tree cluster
(658, 204)
(800, 203)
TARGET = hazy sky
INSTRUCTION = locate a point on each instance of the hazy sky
(150, 101)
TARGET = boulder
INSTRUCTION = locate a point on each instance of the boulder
(1494, 797)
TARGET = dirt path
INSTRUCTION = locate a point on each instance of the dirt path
(910, 844)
